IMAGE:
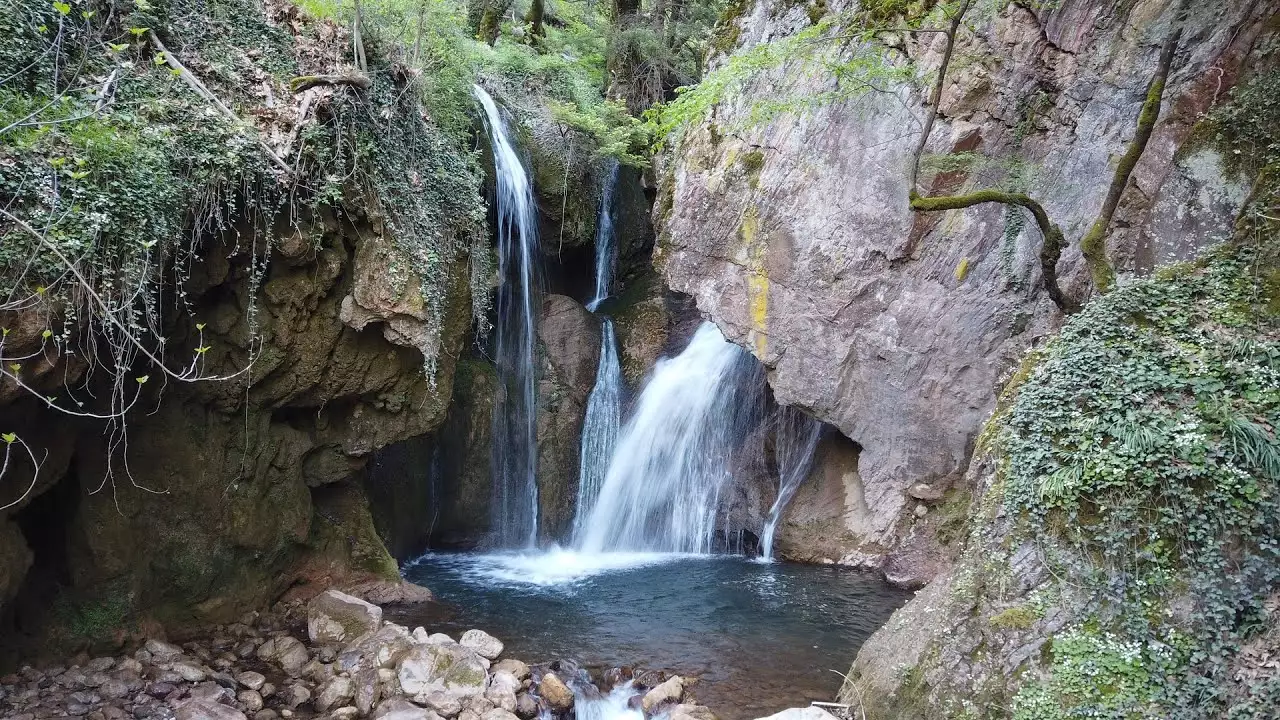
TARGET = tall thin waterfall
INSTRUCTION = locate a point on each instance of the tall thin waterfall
(604, 404)
(606, 254)
(672, 461)
(515, 488)
(796, 439)
(599, 427)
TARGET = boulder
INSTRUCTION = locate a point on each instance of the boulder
(557, 695)
(345, 713)
(502, 690)
(335, 693)
(482, 643)
(513, 666)
(526, 706)
(440, 639)
(367, 690)
(667, 692)
(334, 617)
(398, 708)
(807, 713)
(207, 710)
(444, 703)
(499, 714)
(691, 712)
(382, 649)
(287, 652)
(454, 668)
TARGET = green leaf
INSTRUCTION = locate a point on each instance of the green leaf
(62, 8)
(119, 47)
(202, 350)
(142, 380)
(138, 31)
(46, 334)
(9, 437)
(15, 367)
(199, 326)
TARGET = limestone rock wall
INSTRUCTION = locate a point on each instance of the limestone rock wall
(795, 236)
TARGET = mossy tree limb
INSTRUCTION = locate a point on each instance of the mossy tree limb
(1050, 249)
(1094, 243)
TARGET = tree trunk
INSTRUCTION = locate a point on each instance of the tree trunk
(537, 9)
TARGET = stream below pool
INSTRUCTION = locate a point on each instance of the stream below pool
(760, 636)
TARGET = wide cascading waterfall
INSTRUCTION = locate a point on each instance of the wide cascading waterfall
(515, 489)
(604, 404)
(795, 440)
(673, 458)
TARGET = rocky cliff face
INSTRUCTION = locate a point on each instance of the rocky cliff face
(231, 491)
(332, 328)
(795, 235)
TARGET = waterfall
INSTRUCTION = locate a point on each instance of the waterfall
(604, 404)
(795, 440)
(515, 490)
(599, 427)
(672, 460)
(606, 253)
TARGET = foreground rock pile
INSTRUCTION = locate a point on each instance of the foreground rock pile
(353, 665)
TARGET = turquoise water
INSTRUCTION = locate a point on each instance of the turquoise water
(760, 636)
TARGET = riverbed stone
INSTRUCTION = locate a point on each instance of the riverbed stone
(482, 643)
(207, 710)
(557, 695)
(334, 617)
(669, 691)
(441, 667)
(251, 700)
(499, 714)
(189, 672)
(502, 690)
(382, 649)
(367, 690)
(804, 713)
(252, 680)
(397, 708)
(335, 692)
(526, 706)
(691, 712)
(517, 668)
(445, 703)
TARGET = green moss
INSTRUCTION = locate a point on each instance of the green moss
(752, 162)
(724, 37)
(1015, 618)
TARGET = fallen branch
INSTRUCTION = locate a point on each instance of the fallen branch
(194, 83)
(306, 82)
(307, 98)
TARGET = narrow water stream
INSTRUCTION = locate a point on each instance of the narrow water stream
(760, 636)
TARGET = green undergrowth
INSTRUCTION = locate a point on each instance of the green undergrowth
(110, 157)
(1142, 454)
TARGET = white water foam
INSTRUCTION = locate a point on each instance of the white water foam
(554, 567)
